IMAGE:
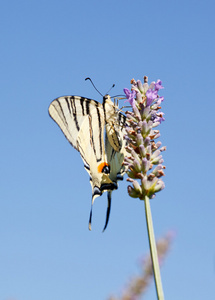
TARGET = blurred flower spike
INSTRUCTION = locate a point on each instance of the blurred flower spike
(144, 159)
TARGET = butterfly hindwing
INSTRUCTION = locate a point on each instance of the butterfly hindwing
(115, 158)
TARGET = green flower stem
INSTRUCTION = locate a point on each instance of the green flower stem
(153, 250)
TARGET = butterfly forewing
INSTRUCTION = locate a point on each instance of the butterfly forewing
(70, 112)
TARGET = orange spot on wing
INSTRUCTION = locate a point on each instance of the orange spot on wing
(101, 166)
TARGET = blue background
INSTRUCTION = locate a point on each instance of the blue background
(47, 50)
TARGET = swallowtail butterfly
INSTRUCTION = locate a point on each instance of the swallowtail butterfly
(96, 130)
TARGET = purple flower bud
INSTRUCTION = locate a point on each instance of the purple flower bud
(133, 81)
(158, 85)
(128, 160)
(155, 124)
(146, 113)
(159, 186)
(158, 144)
(128, 148)
(136, 111)
(145, 165)
(152, 85)
(157, 135)
(145, 87)
(163, 148)
(147, 141)
(134, 154)
(150, 123)
(139, 97)
(156, 160)
(161, 161)
(129, 116)
(155, 154)
(136, 165)
(142, 150)
(131, 174)
(140, 86)
(144, 127)
(151, 187)
(137, 188)
(149, 150)
(144, 182)
(139, 139)
(132, 193)
(157, 171)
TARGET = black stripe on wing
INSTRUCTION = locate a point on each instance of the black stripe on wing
(64, 117)
(100, 131)
(121, 119)
(74, 112)
(82, 105)
(95, 125)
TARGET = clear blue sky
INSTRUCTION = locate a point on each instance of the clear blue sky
(47, 50)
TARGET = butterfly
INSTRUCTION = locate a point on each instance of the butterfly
(96, 130)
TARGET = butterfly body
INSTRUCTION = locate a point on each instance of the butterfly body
(96, 130)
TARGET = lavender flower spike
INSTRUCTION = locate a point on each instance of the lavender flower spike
(145, 167)
(142, 122)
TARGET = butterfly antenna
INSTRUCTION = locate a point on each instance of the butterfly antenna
(110, 89)
(88, 78)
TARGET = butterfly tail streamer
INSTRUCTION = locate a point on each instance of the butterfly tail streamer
(108, 209)
(107, 213)
(96, 193)
(90, 218)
